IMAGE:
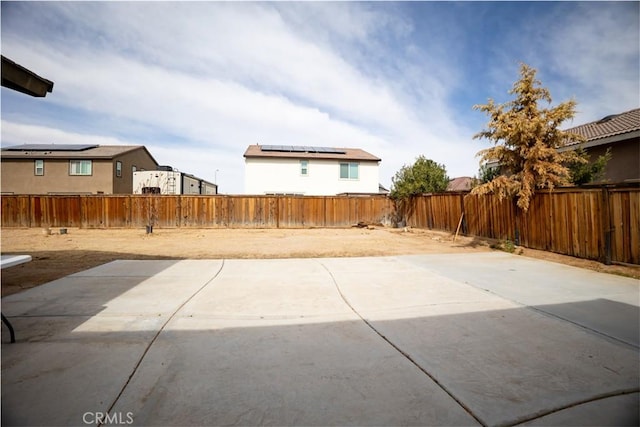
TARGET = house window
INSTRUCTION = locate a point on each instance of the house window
(119, 169)
(80, 167)
(151, 190)
(304, 167)
(349, 170)
(39, 167)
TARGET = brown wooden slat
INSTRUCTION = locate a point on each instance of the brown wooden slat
(568, 221)
(634, 228)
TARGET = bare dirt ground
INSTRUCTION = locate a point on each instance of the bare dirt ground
(57, 255)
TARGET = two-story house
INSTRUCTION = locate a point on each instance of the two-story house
(619, 133)
(72, 168)
(310, 171)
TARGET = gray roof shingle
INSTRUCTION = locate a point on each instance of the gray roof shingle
(615, 124)
(52, 151)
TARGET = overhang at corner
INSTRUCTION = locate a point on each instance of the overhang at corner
(16, 77)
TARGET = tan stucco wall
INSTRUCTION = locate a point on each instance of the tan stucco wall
(18, 175)
(138, 158)
(625, 160)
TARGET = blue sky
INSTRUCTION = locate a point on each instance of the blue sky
(198, 82)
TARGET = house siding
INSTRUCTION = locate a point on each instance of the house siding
(18, 177)
(282, 176)
(625, 160)
(138, 158)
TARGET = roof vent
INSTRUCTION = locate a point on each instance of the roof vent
(607, 118)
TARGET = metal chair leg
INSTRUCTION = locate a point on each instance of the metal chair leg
(6, 322)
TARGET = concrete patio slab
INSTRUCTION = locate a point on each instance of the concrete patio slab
(269, 289)
(507, 362)
(149, 268)
(610, 411)
(609, 303)
(415, 340)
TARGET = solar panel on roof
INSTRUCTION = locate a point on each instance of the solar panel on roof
(283, 148)
(51, 147)
(329, 150)
(271, 147)
(301, 149)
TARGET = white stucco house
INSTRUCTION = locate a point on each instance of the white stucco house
(310, 171)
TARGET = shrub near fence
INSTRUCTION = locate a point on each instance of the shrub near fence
(600, 223)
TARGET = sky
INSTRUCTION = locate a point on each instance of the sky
(198, 82)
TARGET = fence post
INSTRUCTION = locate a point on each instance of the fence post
(516, 237)
(30, 213)
(606, 226)
(428, 211)
(324, 211)
(464, 219)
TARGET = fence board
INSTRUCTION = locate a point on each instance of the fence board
(117, 211)
(203, 211)
(625, 219)
(58, 211)
(16, 211)
(92, 215)
(290, 212)
(568, 221)
(634, 231)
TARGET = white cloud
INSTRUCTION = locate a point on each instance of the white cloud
(19, 133)
(592, 56)
(198, 82)
(222, 88)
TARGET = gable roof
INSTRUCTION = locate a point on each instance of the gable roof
(462, 183)
(69, 151)
(609, 126)
(256, 151)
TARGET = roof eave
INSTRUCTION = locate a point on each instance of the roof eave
(27, 154)
(602, 141)
(18, 78)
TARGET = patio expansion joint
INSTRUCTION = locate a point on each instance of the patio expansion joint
(157, 334)
(558, 317)
(595, 398)
(402, 352)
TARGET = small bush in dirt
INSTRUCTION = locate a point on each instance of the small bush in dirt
(505, 245)
(509, 246)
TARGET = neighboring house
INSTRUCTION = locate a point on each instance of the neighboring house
(621, 133)
(463, 183)
(312, 171)
(72, 169)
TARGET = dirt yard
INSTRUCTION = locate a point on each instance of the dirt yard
(56, 255)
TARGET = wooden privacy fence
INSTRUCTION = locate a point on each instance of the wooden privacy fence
(600, 223)
(131, 211)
